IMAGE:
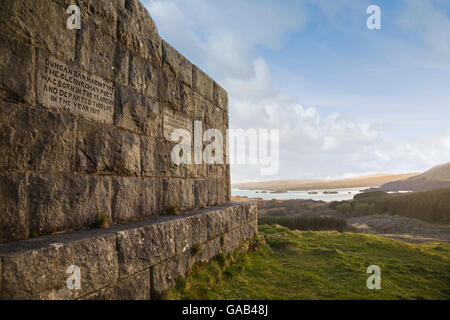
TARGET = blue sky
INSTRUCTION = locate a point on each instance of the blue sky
(347, 100)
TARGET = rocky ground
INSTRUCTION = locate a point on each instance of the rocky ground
(401, 228)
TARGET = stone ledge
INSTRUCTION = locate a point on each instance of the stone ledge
(113, 260)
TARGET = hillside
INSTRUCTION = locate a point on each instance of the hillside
(431, 206)
(322, 265)
(299, 184)
(436, 178)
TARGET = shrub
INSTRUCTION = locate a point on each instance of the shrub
(101, 221)
(344, 208)
(197, 248)
(431, 206)
(171, 210)
(370, 194)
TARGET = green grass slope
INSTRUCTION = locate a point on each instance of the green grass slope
(322, 265)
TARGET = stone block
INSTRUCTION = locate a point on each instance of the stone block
(203, 83)
(144, 245)
(220, 97)
(40, 22)
(138, 113)
(13, 207)
(219, 222)
(121, 65)
(205, 193)
(179, 193)
(66, 88)
(60, 202)
(37, 269)
(16, 70)
(165, 274)
(105, 150)
(170, 92)
(210, 249)
(135, 198)
(148, 157)
(234, 239)
(135, 287)
(177, 63)
(35, 139)
(188, 102)
(163, 163)
(198, 225)
(137, 31)
(97, 48)
(144, 77)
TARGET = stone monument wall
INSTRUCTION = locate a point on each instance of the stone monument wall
(86, 117)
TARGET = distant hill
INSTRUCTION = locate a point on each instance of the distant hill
(299, 184)
(436, 178)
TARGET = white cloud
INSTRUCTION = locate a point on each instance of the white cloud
(222, 37)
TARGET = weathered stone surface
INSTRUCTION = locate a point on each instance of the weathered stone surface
(16, 70)
(138, 32)
(210, 249)
(135, 198)
(179, 193)
(144, 77)
(205, 193)
(102, 12)
(121, 64)
(233, 240)
(225, 219)
(189, 103)
(165, 274)
(148, 157)
(220, 97)
(29, 19)
(13, 207)
(164, 165)
(169, 92)
(252, 211)
(36, 269)
(35, 139)
(65, 87)
(138, 113)
(203, 83)
(115, 262)
(198, 226)
(228, 178)
(177, 63)
(107, 150)
(135, 287)
(61, 202)
(143, 246)
(96, 52)
(173, 121)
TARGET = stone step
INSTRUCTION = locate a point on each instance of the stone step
(126, 261)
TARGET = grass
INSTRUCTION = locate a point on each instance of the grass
(101, 221)
(306, 223)
(322, 265)
(171, 210)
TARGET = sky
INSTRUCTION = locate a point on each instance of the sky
(346, 100)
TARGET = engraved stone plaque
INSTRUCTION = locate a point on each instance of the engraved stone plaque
(65, 87)
(173, 121)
